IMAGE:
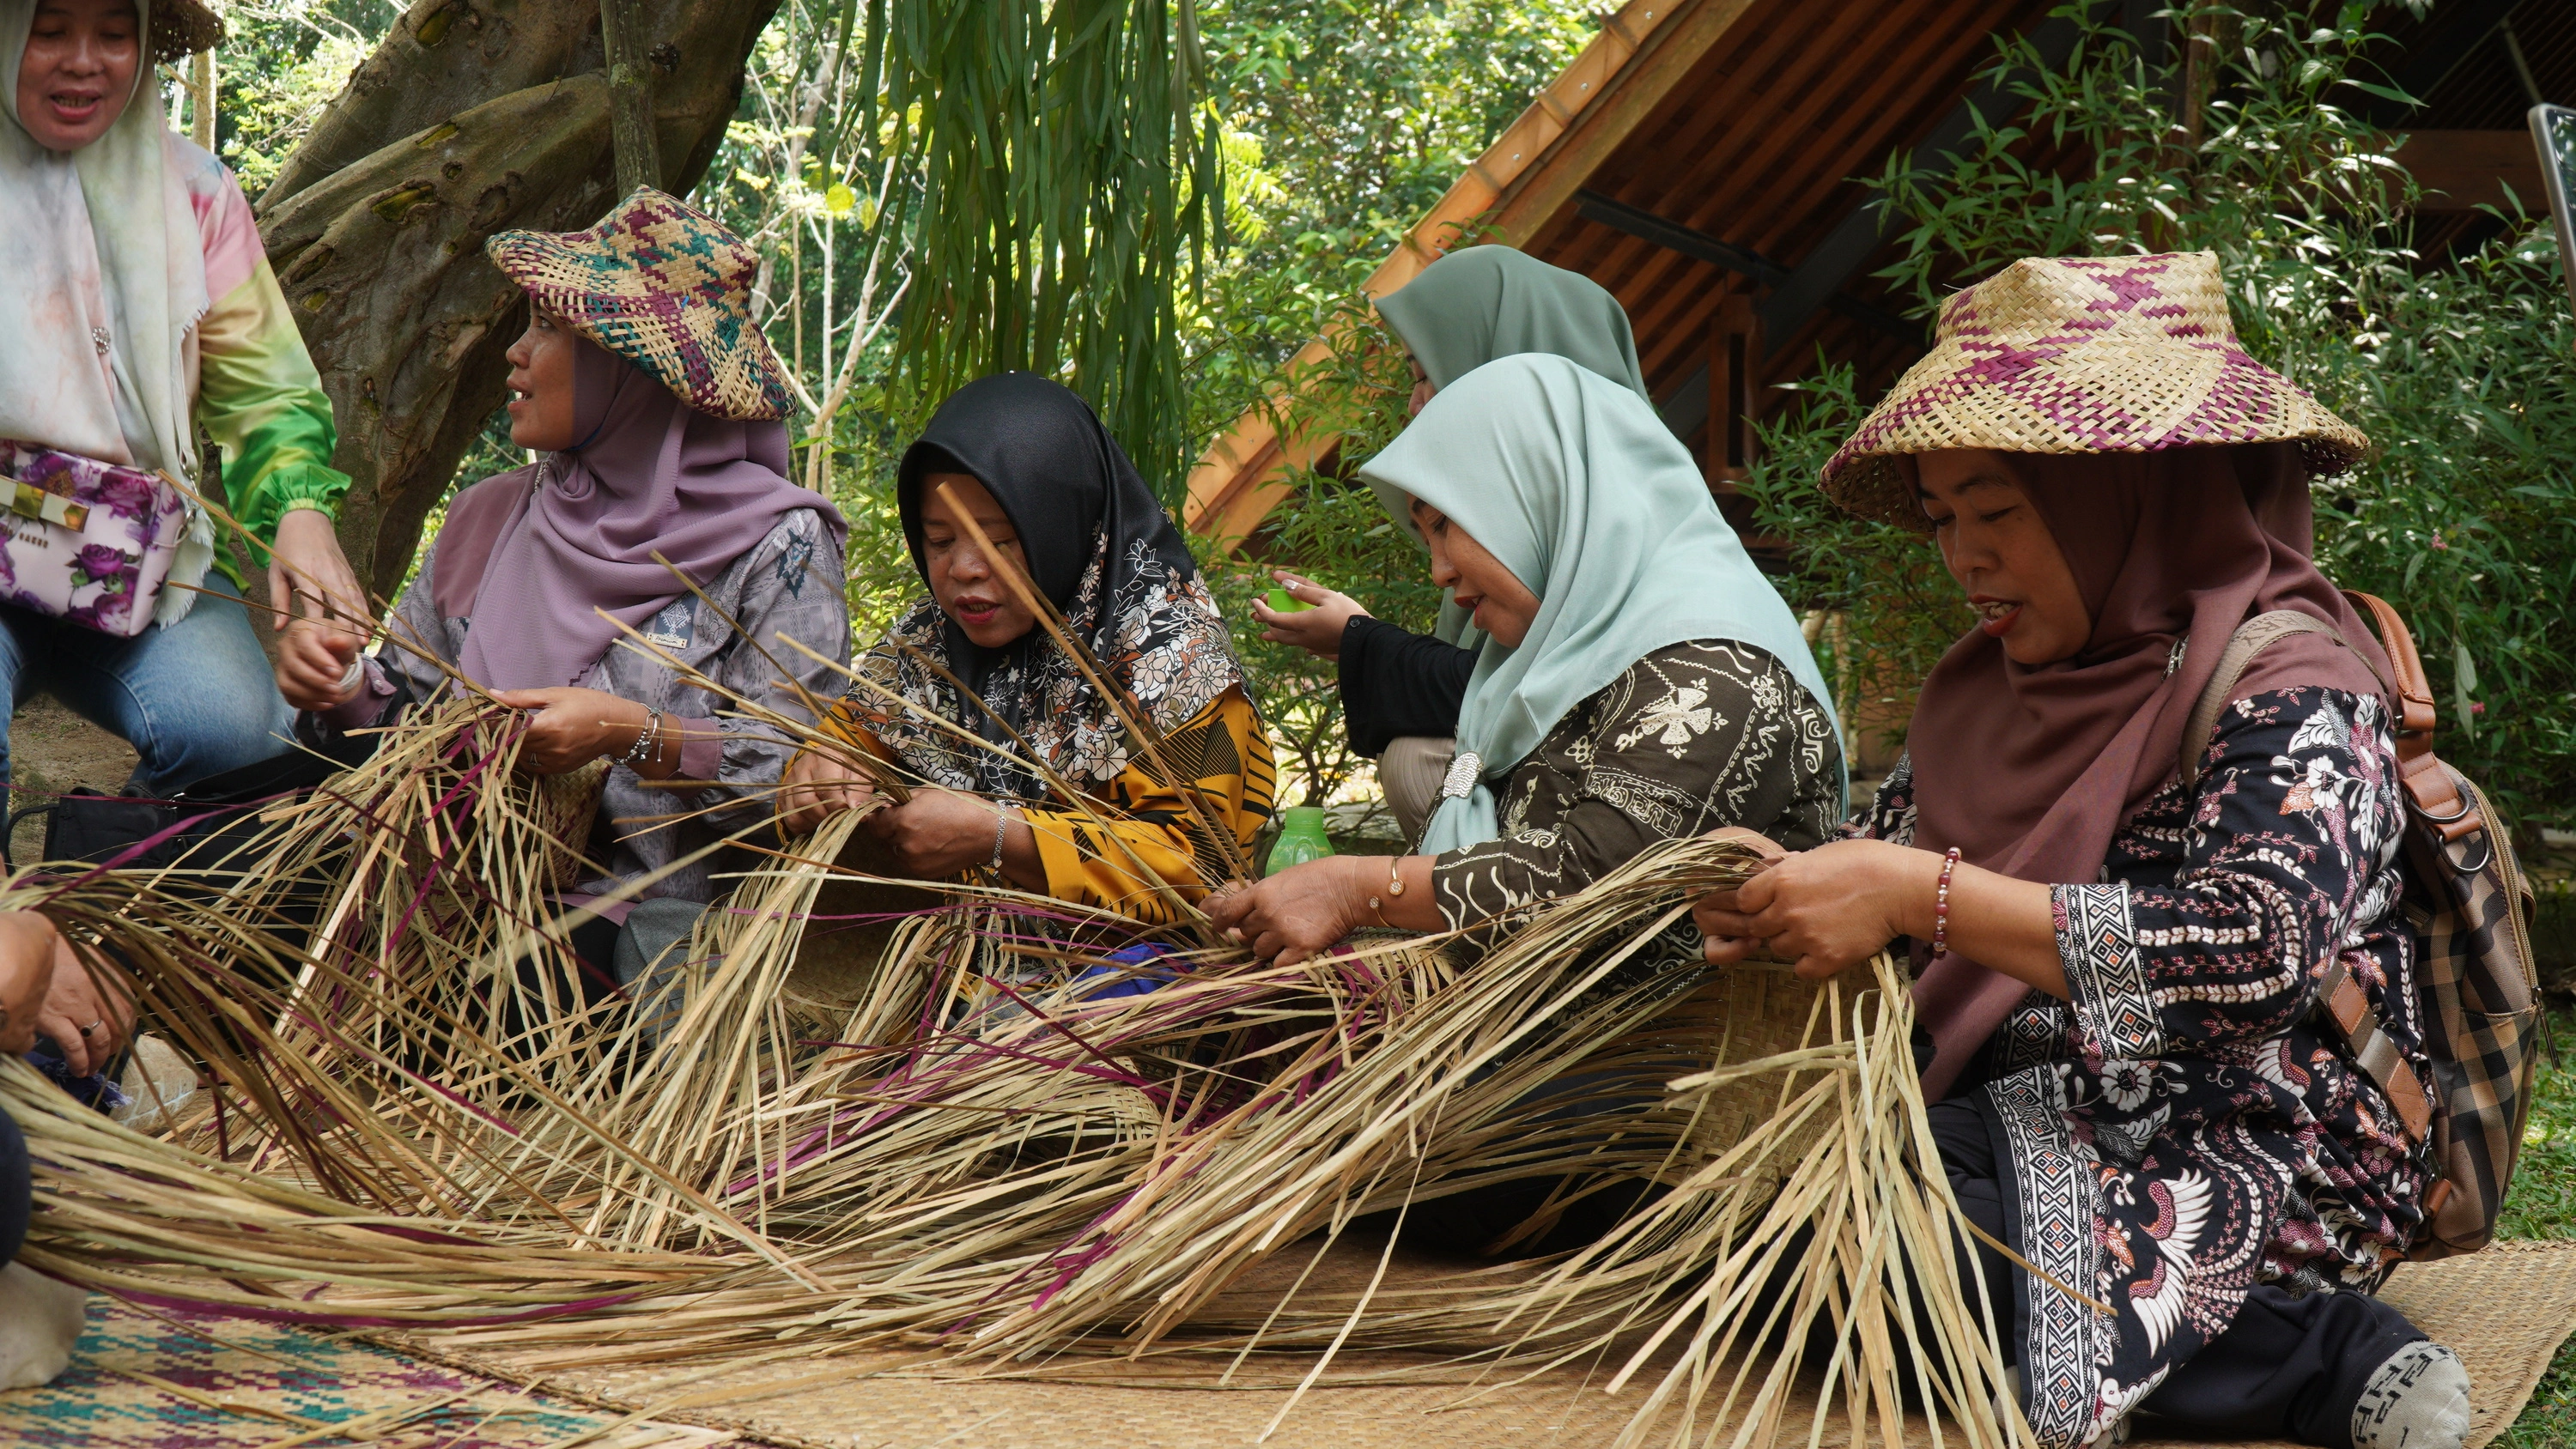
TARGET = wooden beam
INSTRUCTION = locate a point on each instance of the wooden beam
(1735, 355)
(2461, 170)
(1546, 184)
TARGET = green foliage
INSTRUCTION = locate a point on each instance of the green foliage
(1897, 608)
(1331, 529)
(1066, 164)
(2541, 1203)
(2465, 518)
(1345, 121)
(280, 63)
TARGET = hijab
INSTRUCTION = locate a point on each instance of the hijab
(106, 276)
(1473, 306)
(1102, 550)
(536, 555)
(1575, 485)
(2030, 769)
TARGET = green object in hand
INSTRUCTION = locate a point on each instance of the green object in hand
(1301, 839)
(1283, 602)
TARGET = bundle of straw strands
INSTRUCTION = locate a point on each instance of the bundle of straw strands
(418, 1123)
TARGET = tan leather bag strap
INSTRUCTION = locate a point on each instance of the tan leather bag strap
(2251, 638)
(2436, 797)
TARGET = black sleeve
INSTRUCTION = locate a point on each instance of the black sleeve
(1396, 682)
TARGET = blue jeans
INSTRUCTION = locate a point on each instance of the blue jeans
(195, 699)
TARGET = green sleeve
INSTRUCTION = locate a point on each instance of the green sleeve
(261, 401)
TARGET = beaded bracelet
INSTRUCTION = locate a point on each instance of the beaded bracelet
(648, 740)
(1941, 904)
(1001, 831)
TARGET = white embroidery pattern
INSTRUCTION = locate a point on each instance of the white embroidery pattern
(2053, 1220)
(1679, 716)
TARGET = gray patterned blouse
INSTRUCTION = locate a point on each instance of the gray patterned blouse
(1692, 738)
(788, 583)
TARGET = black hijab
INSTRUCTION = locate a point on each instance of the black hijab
(1101, 549)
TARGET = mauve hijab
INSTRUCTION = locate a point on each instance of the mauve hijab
(541, 551)
(2029, 770)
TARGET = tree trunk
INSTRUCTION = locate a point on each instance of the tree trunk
(473, 117)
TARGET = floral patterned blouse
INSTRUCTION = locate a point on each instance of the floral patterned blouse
(1691, 738)
(2182, 1129)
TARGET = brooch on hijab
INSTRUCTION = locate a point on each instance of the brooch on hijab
(2173, 656)
(1464, 769)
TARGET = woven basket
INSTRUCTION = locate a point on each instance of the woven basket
(1747, 1012)
(565, 807)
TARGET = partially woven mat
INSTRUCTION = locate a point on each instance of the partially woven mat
(189, 1382)
(2505, 1311)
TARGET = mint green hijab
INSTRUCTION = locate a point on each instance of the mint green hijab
(1490, 301)
(1573, 484)
(1473, 306)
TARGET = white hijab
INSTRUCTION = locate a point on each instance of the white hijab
(105, 277)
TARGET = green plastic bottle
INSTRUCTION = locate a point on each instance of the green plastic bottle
(1301, 839)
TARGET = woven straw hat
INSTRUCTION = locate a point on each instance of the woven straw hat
(2083, 355)
(179, 29)
(664, 286)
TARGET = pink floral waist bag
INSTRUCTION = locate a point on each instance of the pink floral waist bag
(90, 543)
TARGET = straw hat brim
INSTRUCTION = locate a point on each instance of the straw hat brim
(181, 28)
(2074, 356)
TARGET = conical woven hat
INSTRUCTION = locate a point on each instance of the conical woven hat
(664, 286)
(2083, 355)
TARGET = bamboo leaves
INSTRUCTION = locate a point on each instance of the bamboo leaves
(1069, 169)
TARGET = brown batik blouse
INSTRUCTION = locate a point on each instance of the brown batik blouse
(1691, 738)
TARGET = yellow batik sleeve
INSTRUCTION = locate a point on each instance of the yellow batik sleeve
(1148, 834)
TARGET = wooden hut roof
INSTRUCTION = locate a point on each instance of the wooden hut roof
(1695, 159)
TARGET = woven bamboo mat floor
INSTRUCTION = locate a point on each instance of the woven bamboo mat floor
(218, 1384)
(229, 1383)
(2505, 1310)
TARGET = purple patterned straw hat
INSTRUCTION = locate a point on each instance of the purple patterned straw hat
(2083, 355)
(664, 286)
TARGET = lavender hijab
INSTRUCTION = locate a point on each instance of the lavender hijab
(2030, 769)
(544, 552)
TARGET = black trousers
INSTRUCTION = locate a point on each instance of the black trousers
(17, 1189)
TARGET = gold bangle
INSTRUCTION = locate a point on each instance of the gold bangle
(1394, 887)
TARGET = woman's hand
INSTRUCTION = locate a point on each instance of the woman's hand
(1318, 630)
(86, 1015)
(938, 833)
(310, 579)
(1301, 910)
(312, 660)
(569, 728)
(1825, 909)
(817, 784)
(28, 951)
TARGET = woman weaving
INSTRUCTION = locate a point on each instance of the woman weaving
(661, 504)
(1401, 691)
(1016, 501)
(1638, 680)
(2128, 1085)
